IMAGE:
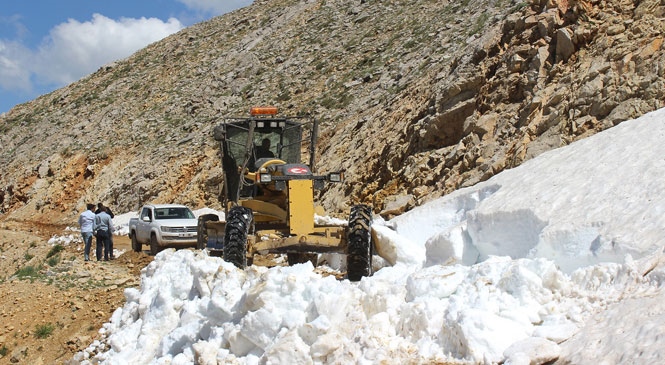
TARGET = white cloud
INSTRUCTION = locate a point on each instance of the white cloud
(15, 23)
(13, 74)
(75, 49)
(14, 56)
(215, 7)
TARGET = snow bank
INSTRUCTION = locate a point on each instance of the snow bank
(195, 308)
(594, 201)
(505, 271)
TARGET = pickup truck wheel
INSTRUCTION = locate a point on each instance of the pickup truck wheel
(154, 247)
(359, 239)
(238, 224)
(202, 232)
(136, 245)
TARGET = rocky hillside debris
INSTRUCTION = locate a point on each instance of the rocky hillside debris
(545, 78)
(415, 99)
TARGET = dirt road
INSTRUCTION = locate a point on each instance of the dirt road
(52, 302)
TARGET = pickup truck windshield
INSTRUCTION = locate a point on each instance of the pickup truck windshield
(174, 213)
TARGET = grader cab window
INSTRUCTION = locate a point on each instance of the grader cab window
(282, 142)
(270, 138)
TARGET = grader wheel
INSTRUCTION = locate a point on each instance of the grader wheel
(359, 238)
(238, 225)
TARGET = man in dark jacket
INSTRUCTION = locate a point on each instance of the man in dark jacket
(101, 207)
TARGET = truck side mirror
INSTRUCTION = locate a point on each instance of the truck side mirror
(146, 218)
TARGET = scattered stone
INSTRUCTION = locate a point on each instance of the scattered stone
(18, 354)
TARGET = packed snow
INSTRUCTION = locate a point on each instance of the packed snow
(560, 257)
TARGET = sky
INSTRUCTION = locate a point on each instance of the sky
(561, 257)
(46, 44)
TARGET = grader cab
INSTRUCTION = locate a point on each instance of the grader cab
(268, 195)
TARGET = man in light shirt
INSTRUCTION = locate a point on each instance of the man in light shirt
(87, 224)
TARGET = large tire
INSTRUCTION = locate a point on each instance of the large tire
(238, 224)
(359, 243)
(136, 245)
(154, 247)
(202, 232)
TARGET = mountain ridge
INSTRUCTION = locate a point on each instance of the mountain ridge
(415, 99)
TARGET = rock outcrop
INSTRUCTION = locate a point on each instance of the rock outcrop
(415, 98)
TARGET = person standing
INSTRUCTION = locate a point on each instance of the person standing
(87, 224)
(101, 207)
(104, 226)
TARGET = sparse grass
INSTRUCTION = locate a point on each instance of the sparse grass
(338, 101)
(4, 350)
(284, 96)
(67, 152)
(52, 261)
(44, 330)
(67, 281)
(480, 23)
(55, 250)
(328, 102)
(10, 152)
(28, 256)
(28, 272)
(90, 97)
(521, 6)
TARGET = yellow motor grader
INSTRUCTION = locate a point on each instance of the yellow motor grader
(268, 195)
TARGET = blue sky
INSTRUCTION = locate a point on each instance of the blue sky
(47, 44)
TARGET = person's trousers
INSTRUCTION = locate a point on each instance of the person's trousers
(111, 246)
(103, 243)
(87, 241)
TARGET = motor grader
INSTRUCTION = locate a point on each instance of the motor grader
(268, 197)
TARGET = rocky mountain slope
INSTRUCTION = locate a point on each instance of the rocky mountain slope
(416, 99)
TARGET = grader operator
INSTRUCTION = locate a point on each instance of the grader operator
(268, 196)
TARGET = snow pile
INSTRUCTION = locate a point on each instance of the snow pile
(594, 201)
(71, 236)
(506, 271)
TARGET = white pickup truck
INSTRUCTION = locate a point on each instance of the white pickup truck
(162, 226)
